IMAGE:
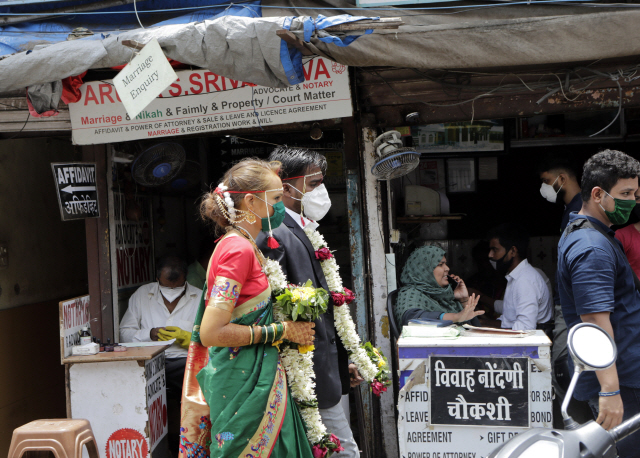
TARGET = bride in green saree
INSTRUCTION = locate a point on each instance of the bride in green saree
(236, 402)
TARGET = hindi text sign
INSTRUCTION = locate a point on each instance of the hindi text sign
(142, 79)
(200, 101)
(479, 391)
(76, 189)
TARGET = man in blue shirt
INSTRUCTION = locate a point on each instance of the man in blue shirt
(560, 186)
(596, 285)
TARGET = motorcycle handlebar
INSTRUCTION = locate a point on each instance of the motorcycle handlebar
(626, 428)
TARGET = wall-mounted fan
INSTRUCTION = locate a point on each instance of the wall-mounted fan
(395, 160)
(187, 180)
(159, 164)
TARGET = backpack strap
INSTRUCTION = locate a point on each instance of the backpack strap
(584, 223)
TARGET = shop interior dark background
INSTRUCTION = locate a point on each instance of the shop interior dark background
(515, 195)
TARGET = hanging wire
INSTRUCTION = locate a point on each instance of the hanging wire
(584, 3)
(23, 126)
(137, 17)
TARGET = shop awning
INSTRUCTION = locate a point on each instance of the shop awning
(241, 48)
(247, 48)
(475, 35)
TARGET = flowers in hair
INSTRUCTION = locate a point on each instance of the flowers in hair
(231, 209)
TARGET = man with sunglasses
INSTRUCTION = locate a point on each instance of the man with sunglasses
(307, 201)
(596, 285)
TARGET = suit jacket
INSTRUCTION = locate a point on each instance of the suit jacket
(330, 359)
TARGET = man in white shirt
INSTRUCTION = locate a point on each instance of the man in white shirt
(528, 302)
(164, 310)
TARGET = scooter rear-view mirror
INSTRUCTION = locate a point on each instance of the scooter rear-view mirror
(591, 349)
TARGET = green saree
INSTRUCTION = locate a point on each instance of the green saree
(236, 402)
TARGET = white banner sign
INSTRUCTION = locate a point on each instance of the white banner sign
(74, 315)
(142, 79)
(156, 399)
(201, 101)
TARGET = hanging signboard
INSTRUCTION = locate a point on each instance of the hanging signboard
(142, 79)
(156, 399)
(200, 101)
(76, 189)
(476, 391)
(74, 315)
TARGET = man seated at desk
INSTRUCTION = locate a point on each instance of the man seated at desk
(164, 310)
(528, 301)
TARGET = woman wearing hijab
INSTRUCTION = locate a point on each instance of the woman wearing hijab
(427, 293)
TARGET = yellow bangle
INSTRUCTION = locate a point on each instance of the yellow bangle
(251, 331)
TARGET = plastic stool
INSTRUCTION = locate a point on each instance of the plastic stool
(63, 437)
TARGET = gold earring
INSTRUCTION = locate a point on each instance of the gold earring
(251, 218)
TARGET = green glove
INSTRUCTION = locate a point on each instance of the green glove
(174, 332)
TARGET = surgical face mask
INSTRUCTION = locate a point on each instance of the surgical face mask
(493, 264)
(547, 191)
(171, 294)
(316, 203)
(621, 211)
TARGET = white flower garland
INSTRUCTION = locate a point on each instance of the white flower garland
(299, 366)
(343, 322)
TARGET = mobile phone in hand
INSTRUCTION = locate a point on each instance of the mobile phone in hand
(452, 282)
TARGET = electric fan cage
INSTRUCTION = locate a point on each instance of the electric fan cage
(159, 164)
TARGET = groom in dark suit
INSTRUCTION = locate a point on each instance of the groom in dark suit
(302, 173)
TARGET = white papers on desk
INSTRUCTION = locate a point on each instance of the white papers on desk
(430, 331)
(148, 344)
(474, 331)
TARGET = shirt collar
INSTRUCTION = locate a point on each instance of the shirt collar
(515, 273)
(302, 221)
(574, 216)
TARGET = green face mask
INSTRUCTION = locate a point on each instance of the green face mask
(621, 212)
(276, 219)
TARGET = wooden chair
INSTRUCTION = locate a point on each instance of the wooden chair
(63, 437)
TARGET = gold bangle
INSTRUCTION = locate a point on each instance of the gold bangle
(284, 333)
(251, 331)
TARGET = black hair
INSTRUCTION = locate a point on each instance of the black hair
(511, 235)
(558, 161)
(177, 266)
(297, 161)
(605, 168)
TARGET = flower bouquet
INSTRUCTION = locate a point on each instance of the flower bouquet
(383, 377)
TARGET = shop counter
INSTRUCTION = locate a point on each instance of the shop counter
(462, 397)
(123, 395)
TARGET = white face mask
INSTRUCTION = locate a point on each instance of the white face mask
(493, 264)
(547, 191)
(171, 294)
(316, 203)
